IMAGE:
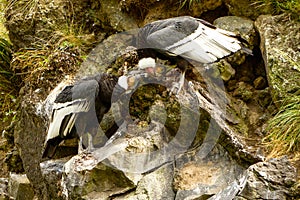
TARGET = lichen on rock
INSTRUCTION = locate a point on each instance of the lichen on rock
(280, 49)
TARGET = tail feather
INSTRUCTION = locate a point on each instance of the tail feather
(50, 147)
(247, 51)
(62, 122)
(64, 117)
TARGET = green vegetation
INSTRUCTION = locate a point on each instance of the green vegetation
(43, 59)
(187, 3)
(5, 57)
(291, 7)
(7, 78)
(284, 129)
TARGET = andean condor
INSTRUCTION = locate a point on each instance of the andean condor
(189, 38)
(78, 109)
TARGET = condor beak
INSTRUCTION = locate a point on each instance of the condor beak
(150, 70)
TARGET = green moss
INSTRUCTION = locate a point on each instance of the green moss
(284, 75)
(283, 6)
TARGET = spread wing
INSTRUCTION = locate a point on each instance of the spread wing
(191, 38)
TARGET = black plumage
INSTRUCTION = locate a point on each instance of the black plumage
(184, 39)
(190, 38)
(78, 109)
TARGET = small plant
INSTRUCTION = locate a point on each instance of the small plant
(26, 7)
(7, 81)
(284, 129)
(5, 70)
(291, 7)
(187, 3)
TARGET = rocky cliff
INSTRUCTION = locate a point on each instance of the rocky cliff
(203, 143)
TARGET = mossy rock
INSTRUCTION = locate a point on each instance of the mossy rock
(280, 41)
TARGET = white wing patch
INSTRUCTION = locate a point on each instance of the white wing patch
(206, 45)
(60, 111)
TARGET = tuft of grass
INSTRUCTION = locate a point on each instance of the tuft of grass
(42, 68)
(5, 55)
(6, 74)
(7, 81)
(284, 129)
(187, 3)
(25, 7)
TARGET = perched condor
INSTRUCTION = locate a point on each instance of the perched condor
(186, 37)
(189, 38)
(78, 109)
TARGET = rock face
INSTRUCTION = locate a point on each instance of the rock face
(278, 172)
(41, 20)
(29, 138)
(162, 10)
(247, 8)
(19, 187)
(52, 174)
(105, 53)
(3, 189)
(280, 48)
(191, 145)
(197, 177)
(99, 182)
(243, 26)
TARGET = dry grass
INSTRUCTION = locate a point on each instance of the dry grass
(187, 3)
(3, 31)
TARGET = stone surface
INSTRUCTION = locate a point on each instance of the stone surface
(243, 91)
(246, 8)
(19, 187)
(280, 41)
(40, 19)
(260, 83)
(13, 161)
(121, 170)
(271, 179)
(51, 20)
(3, 189)
(155, 185)
(52, 173)
(164, 10)
(197, 177)
(226, 70)
(240, 25)
(30, 133)
(106, 52)
(118, 20)
(84, 178)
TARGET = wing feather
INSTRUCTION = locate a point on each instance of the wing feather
(69, 111)
(206, 45)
